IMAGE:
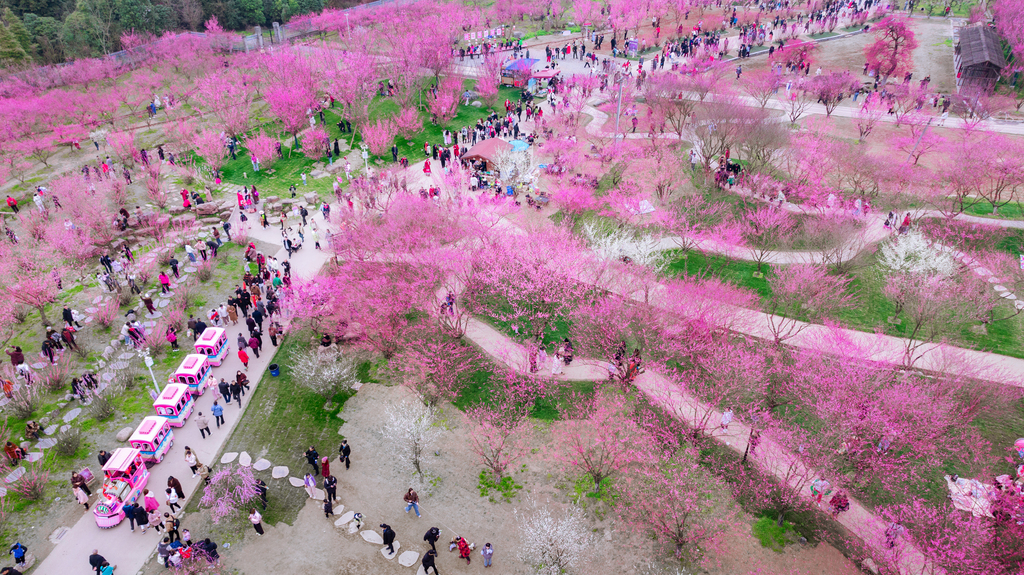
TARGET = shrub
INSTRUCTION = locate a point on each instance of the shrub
(184, 295)
(24, 402)
(56, 377)
(205, 271)
(125, 379)
(101, 407)
(124, 297)
(68, 442)
(108, 312)
(32, 484)
(20, 313)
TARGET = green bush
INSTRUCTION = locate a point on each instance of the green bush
(506, 488)
(771, 535)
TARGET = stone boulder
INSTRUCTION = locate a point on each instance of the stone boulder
(124, 434)
(208, 208)
(310, 197)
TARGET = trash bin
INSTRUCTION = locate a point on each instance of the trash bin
(275, 370)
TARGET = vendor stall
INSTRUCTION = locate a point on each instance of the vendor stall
(488, 151)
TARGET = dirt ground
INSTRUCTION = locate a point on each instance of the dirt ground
(451, 501)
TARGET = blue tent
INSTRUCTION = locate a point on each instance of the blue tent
(522, 65)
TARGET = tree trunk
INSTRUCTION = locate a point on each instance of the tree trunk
(781, 520)
(42, 314)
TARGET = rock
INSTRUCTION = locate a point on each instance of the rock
(124, 434)
(48, 443)
(393, 554)
(518, 34)
(345, 518)
(17, 473)
(72, 414)
(50, 430)
(353, 527)
(408, 558)
(163, 303)
(310, 197)
(272, 199)
(261, 465)
(97, 299)
(296, 482)
(206, 209)
(244, 459)
(420, 571)
(279, 472)
(870, 566)
(34, 456)
(228, 457)
(476, 103)
(369, 536)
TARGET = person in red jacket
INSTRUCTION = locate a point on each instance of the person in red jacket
(12, 203)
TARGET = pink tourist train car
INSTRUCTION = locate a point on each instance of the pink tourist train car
(195, 372)
(213, 343)
(153, 438)
(124, 477)
(174, 403)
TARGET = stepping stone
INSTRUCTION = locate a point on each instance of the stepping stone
(64, 428)
(126, 355)
(420, 570)
(1018, 304)
(1008, 296)
(369, 536)
(3, 492)
(1000, 288)
(50, 430)
(17, 473)
(189, 269)
(46, 443)
(150, 323)
(108, 376)
(993, 280)
(163, 303)
(87, 320)
(92, 309)
(229, 457)
(34, 456)
(39, 365)
(408, 558)
(357, 385)
(154, 315)
(339, 509)
(244, 459)
(119, 365)
(353, 528)
(71, 415)
(97, 299)
(345, 518)
(279, 472)
(384, 551)
(261, 465)
(296, 482)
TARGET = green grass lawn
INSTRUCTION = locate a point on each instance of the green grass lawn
(1011, 211)
(281, 420)
(870, 313)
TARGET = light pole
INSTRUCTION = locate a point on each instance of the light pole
(149, 366)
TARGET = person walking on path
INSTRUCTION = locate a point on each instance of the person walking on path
(171, 527)
(244, 358)
(313, 458)
(310, 485)
(325, 467)
(172, 499)
(81, 497)
(191, 460)
(174, 484)
(432, 535)
(218, 413)
(95, 560)
(388, 534)
(257, 521)
(345, 452)
(204, 427)
(236, 391)
(331, 487)
(412, 501)
(328, 508)
(142, 517)
(225, 390)
(487, 552)
(129, 514)
(77, 481)
(428, 562)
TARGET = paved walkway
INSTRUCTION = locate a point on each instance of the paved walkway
(131, 550)
(769, 455)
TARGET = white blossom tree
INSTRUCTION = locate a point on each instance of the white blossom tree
(325, 371)
(618, 244)
(914, 254)
(413, 430)
(553, 543)
(515, 167)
